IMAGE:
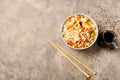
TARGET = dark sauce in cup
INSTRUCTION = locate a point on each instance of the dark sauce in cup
(109, 37)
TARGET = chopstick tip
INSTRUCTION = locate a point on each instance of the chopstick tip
(95, 73)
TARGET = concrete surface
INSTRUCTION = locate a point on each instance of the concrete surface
(27, 25)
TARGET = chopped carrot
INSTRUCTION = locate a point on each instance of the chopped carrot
(90, 30)
(88, 22)
(70, 43)
(69, 19)
(81, 39)
(81, 46)
(75, 45)
(86, 40)
(78, 17)
(83, 28)
(87, 29)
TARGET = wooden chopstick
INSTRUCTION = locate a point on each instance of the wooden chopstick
(75, 59)
(69, 59)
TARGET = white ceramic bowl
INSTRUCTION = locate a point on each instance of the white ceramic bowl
(96, 30)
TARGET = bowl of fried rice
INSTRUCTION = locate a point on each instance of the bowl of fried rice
(79, 31)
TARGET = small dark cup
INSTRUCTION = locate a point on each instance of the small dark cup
(107, 38)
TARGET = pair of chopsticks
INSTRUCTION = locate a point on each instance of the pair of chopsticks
(65, 53)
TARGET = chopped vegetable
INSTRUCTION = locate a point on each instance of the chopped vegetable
(90, 30)
(78, 17)
(83, 28)
(69, 19)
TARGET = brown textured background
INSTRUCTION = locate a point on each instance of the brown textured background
(27, 25)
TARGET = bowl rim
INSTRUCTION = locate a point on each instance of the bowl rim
(95, 30)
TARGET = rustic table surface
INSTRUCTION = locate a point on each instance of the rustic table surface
(27, 25)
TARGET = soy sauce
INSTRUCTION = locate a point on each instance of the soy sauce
(108, 37)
